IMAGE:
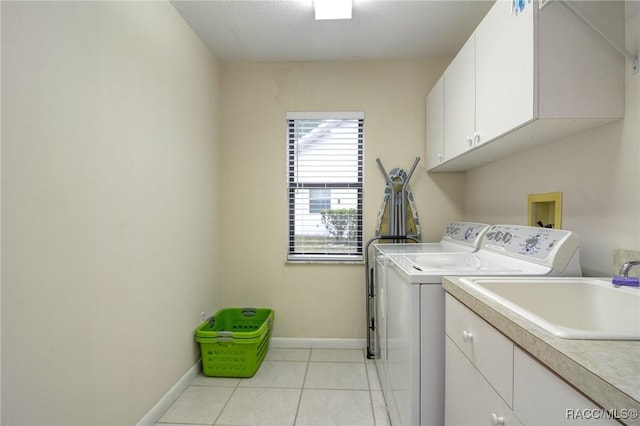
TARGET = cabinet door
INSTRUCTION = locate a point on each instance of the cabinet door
(542, 398)
(488, 350)
(469, 398)
(504, 71)
(435, 125)
(459, 102)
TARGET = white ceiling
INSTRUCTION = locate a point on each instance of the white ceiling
(285, 30)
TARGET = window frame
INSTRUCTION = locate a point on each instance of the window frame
(292, 185)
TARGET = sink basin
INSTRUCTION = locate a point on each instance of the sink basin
(571, 308)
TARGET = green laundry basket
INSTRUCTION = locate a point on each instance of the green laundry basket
(234, 341)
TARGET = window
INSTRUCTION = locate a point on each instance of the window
(325, 174)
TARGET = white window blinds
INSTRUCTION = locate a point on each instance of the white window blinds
(325, 181)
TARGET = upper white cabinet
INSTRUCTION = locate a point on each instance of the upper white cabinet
(435, 124)
(504, 72)
(459, 106)
(527, 79)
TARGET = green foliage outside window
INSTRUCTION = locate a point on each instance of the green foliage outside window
(341, 223)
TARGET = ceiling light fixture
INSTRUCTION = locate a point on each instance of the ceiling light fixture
(332, 9)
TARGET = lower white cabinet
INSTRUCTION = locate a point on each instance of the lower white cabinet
(485, 347)
(478, 370)
(480, 363)
(469, 398)
(542, 398)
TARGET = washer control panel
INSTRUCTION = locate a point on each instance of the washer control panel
(465, 232)
(526, 241)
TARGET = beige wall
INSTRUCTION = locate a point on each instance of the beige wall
(110, 222)
(597, 172)
(312, 300)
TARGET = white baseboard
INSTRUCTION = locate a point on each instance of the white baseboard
(170, 397)
(311, 343)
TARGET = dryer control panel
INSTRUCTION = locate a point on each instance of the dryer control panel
(542, 245)
(470, 233)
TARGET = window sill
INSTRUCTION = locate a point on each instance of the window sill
(332, 260)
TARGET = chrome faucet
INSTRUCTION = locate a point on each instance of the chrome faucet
(625, 268)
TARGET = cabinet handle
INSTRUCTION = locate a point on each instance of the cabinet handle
(470, 141)
(476, 139)
(440, 157)
(496, 420)
(466, 336)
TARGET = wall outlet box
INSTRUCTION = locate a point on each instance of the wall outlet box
(545, 210)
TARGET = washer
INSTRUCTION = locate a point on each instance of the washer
(413, 360)
(457, 237)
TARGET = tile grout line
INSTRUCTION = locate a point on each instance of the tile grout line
(373, 408)
(235, 388)
(304, 379)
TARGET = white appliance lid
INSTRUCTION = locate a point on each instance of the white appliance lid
(430, 268)
(505, 250)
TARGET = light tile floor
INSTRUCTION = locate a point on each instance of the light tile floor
(301, 387)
